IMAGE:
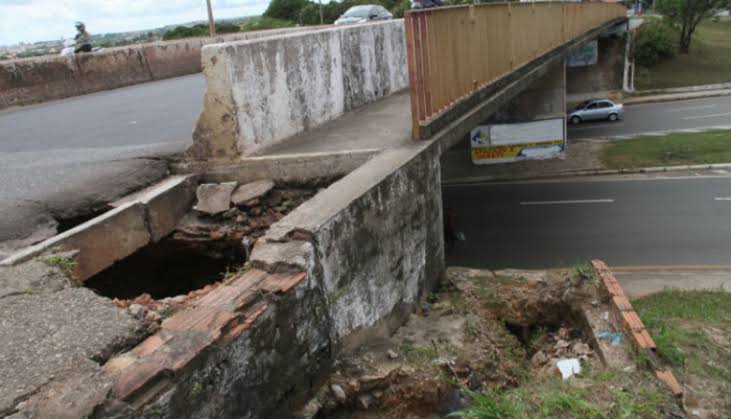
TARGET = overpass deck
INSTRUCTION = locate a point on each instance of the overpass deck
(380, 125)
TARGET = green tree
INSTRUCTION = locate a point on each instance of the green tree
(654, 42)
(286, 9)
(687, 14)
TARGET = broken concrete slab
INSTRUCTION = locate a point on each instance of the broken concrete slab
(101, 241)
(214, 198)
(57, 336)
(252, 190)
(34, 276)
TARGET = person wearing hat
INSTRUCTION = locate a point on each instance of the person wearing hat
(82, 38)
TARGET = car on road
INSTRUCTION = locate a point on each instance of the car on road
(596, 109)
(364, 13)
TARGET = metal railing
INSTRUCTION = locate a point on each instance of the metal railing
(456, 51)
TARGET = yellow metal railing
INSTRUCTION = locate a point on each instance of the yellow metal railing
(456, 51)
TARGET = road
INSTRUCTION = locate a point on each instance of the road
(639, 221)
(653, 117)
(63, 157)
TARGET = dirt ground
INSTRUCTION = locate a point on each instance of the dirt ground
(487, 345)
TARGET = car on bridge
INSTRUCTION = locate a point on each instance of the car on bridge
(596, 109)
(364, 13)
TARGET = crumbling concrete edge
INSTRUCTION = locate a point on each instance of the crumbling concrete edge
(145, 217)
(624, 318)
(279, 168)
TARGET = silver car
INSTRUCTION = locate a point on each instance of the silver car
(596, 109)
(364, 13)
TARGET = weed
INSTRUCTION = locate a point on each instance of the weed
(494, 404)
(584, 269)
(196, 389)
(63, 262)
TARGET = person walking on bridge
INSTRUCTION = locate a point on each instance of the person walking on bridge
(82, 38)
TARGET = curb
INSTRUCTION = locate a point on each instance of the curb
(580, 173)
(670, 97)
(624, 318)
(651, 134)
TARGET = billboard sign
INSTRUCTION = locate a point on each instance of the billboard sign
(587, 54)
(504, 143)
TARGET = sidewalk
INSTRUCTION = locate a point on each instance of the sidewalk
(667, 97)
(643, 280)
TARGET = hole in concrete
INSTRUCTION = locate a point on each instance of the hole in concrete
(167, 269)
(560, 324)
(67, 223)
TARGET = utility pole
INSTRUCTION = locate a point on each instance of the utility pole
(322, 21)
(211, 24)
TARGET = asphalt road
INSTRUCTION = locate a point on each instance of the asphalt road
(660, 221)
(60, 158)
(653, 117)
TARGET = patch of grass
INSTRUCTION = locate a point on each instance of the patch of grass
(669, 150)
(709, 61)
(65, 263)
(678, 322)
(604, 394)
(420, 355)
(264, 22)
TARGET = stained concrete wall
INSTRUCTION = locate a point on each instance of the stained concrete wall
(34, 80)
(371, 246)
(258, 93)
(605, 76)
(542, 99)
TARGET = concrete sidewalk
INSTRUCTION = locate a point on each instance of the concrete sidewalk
(643, 280)
(668, 97)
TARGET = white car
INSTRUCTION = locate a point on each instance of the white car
(364, 13)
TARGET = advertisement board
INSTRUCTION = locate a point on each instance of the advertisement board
(587, 54)
(503, 143)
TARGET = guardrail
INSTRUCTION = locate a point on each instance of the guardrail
(454, 52)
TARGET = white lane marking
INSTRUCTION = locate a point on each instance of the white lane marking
(723, 198)
(690, 108)
(571, 201)
(707, 116)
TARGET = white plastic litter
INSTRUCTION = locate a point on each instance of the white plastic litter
(569, 367)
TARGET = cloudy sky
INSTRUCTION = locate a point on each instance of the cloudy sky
(41, 20)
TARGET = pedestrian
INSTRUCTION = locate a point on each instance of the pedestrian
(82, 38)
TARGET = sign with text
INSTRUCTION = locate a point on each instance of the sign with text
(504, 143)
(585, 55)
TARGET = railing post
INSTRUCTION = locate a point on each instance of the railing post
(412, 59)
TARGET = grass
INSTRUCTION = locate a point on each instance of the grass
(64, 263)
(709, 61)
(263, 22)
(603, 394)
(668, 150)
(680, 322)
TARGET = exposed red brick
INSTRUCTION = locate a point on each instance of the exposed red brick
(668, 378)
(152, 343)
(631, 321)
(599, 264)
(236, 330)
(621, 303)
(199, 319)
(135, 378)
(281, 282)
(248, 280)
(642, 340)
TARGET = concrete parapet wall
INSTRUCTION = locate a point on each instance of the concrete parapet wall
(40, 79)
(259, 93)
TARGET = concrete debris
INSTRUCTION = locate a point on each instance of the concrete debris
(365, 401)
(253, 190)
(392, 354)
(339, 393)
(214, 198)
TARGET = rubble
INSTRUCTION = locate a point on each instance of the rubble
(214, 198)
(250, 191)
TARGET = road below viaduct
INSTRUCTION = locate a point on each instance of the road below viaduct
(643, 220)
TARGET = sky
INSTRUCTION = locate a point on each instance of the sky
(43, 20)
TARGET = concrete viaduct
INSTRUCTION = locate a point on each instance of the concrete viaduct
(373, 106)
